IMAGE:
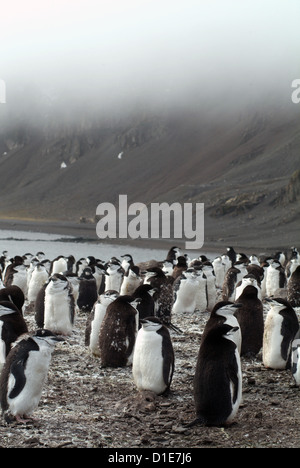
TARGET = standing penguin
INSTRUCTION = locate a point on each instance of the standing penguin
(146, 306)
(95, 320)
(16, 275)
(153, 357)
(219, 271)
(281, 326)
(292, 264)
(38, 278)
(131, 281)
(164, 291)
(59, 265)
(118, 332)
(59, 307)
(127, 262)
(24, 374)
(250, 316)
(224, 312)
(114, 276)
(247, 280)
(293, 288)
(275, 278)
(12, 325)
(218, 378)
(231, 279)
(179, 267)
(87, 293)
(185, 292)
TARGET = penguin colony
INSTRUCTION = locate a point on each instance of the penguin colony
(250, 303)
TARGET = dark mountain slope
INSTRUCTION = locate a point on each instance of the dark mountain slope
(236, 165)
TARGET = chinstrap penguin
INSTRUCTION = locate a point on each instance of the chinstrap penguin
(218, 378)
(153, 357)
(24, 373)
(280, 329)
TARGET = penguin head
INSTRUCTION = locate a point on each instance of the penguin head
(225, 308)
(230, 333)
(7, 307)
(133, 272)
(87, 274)
(108, 296)
(58, 282)
(278, 304)
(150, 324)
(127, 258)
(46, 336)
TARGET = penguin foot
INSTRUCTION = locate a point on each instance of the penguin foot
(24, 420)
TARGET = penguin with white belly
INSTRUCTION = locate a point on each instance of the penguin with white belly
(95, 320)
(280, 329)
(12, 325)
(24, 373)
(185, 292)
(16, 275)
(275, 278)
(59, 265)
(114, 276)
(153, 357)
(131, 281)
(59, 307)
(218, 378)
(38, 278)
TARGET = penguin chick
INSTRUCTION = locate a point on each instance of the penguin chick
(24, 374)
(218, 378)
(153, 358)
(59, 307)
(38, 278)
(281, 327)
(95, 320)
(185, 292)
(131, 281)
(118, 332)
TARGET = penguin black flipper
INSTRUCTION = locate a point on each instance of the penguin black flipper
(289, 328)
(18, 365)
(168, 356)
(232, 373)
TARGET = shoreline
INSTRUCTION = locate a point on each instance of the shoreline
(86, 232)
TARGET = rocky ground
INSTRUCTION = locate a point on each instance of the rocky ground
(86, 406)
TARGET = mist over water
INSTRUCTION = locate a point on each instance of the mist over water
(82, 59)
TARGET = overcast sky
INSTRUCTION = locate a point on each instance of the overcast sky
(156, 50)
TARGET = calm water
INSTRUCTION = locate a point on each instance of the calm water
(22, 242)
